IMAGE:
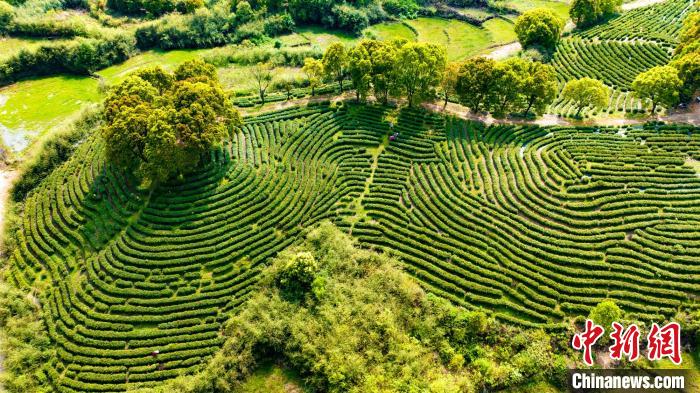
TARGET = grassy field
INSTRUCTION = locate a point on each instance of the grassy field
(461, 39)
(166, 59)
(9, 46)
(271, 378)
(30, 108)
(561, 8)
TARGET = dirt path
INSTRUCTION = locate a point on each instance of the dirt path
(639, 3)
(504, 51)
(689, 116)
(7, 177)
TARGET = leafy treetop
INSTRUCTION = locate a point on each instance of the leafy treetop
(159, 124)
(539, 26)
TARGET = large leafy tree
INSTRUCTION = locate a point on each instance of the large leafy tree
(418, 71)
(588, 12)
(475, 81)
(160, 124)
(505, 96)
(335, 63)
(313, 69)
(383, 56)
(448, 84)
(585, 92)
(539, 88)
(360, 69)
(660, 84)
(539, 26)
(688, 67)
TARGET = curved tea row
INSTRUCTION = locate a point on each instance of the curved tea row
(534, 224)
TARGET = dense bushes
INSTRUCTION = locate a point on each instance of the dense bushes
(412, 342)
(24, 343)
(6, 16)
(588, 12)
(82, 57)
(284, 56)
(154, 7)
(208, 28)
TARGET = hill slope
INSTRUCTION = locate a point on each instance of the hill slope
(535, 224)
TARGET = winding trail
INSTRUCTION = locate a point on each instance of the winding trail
(7, 178)
(504, 51)
(688, 116)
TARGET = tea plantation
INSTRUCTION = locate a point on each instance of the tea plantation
(536, 225)
(615, 52)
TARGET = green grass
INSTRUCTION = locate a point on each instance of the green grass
(561, 8)
(318, 36)
(461, 39)
(272, 379)
(502, 31)
(237, 78)
(165, 59)
(32, 107)
(393, 30)
(9, 46)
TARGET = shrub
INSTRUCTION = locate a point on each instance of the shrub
(539, 26)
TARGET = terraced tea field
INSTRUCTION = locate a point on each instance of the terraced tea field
(534, 224)
(617, 51)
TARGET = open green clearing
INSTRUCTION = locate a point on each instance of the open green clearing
(535, 224)
(272, 379)
(561, 8)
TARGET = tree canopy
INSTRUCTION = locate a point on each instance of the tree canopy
(159, 124)
(585, 92)
(660, 84)
(509, 86)
(418, 71)
(588, 12)
(335, 62)
(540, 26)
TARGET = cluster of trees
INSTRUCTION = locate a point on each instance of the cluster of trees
(589, 12)
(687, 57)
(419, 71)
(82, 56)
(502, 87)
(159, 124)
(680, 80)
(309, 311)
(213, 27)
(154, 7)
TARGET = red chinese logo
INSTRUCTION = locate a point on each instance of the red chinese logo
(586, 339)
(665, 342)
(625, 342)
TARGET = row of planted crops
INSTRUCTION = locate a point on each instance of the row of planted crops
(534, 224)
(616, 51)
